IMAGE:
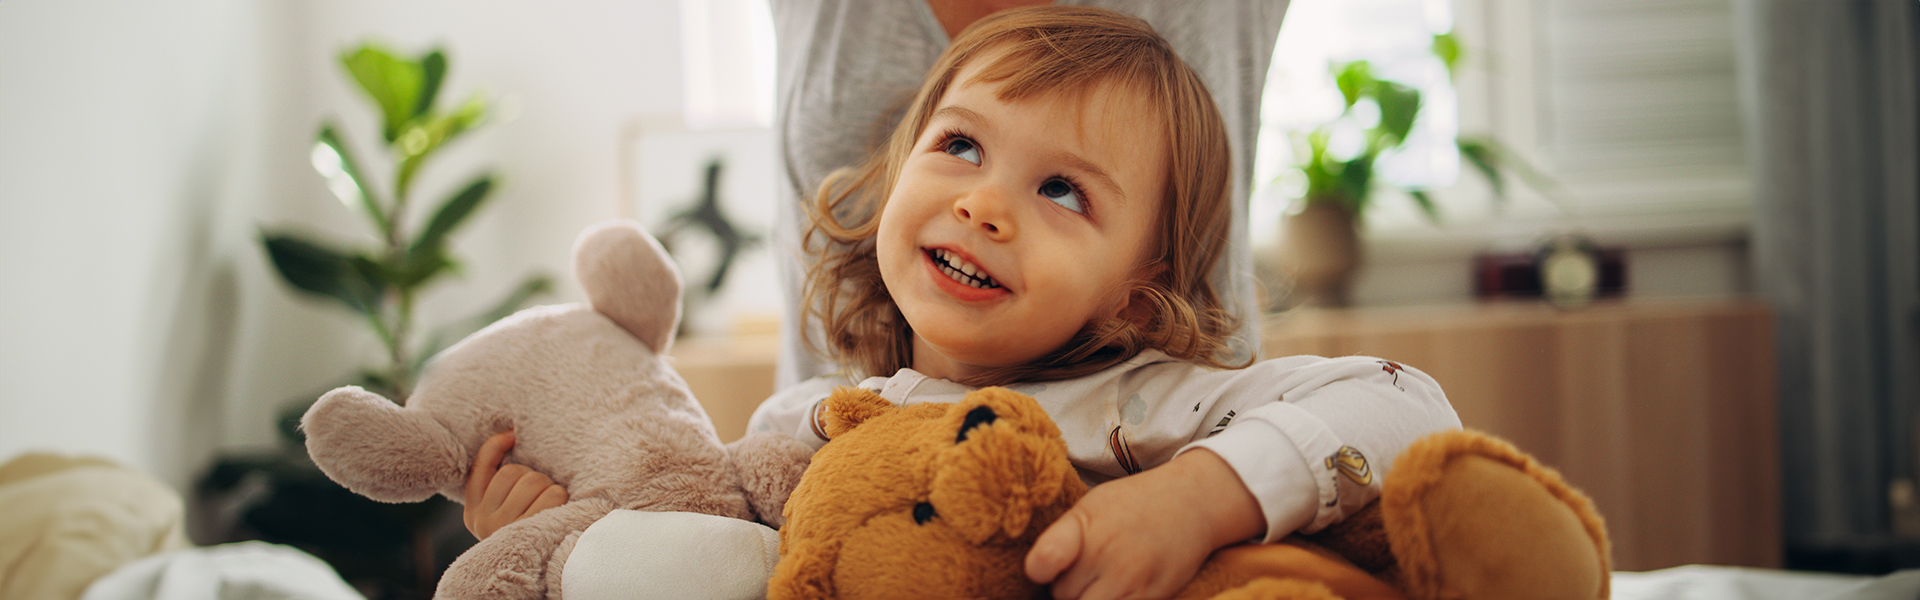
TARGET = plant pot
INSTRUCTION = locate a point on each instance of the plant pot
(1320, 251)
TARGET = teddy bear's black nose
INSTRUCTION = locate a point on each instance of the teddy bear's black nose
(980, 415)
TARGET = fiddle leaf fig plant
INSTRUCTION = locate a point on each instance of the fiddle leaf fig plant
(381, 283)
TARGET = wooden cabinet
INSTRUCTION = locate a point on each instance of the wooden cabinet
(1662, 412)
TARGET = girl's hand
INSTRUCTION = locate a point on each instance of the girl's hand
(1145, 536)
(497, 496)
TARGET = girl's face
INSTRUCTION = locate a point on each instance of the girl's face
(1013, 225)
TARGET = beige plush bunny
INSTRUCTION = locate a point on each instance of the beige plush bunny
(593, 404)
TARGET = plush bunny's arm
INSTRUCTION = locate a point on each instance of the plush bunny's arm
(380, 450)
(767, 466)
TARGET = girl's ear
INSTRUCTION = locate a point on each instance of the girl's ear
(1135, 306)
(848, 407)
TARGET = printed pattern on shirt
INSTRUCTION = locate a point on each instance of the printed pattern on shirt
(1395, 369)
(1350, 463)
(1222, 425)
(1117, 443)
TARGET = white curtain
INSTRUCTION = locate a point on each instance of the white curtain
(1829, 90)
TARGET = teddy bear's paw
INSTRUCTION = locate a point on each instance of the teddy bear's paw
(1269, 588)
(1473, 517)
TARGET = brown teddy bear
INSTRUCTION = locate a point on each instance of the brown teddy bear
(593, 403)
(943, 501)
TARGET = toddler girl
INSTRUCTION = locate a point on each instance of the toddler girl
(1045, 218)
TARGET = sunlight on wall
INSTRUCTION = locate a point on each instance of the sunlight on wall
(727, 53)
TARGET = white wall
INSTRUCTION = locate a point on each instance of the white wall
(142, 146)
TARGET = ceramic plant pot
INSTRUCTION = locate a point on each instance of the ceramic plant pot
(1320, 251)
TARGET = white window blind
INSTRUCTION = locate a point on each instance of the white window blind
(1638, 113)
(1628, 107)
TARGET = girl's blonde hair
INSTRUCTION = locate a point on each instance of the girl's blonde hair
(1046, 50)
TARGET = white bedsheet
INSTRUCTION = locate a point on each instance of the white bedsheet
(1705, 582)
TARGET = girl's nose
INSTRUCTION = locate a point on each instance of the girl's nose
(986, 207)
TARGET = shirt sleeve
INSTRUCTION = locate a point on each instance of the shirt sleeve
(791, 411)
(1318, 435)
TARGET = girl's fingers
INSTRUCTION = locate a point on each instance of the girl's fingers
(527, 489)
(553, 496)
(502, 486)
(486, 463)
(1056, 549)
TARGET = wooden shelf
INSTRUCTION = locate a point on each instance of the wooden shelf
(1662, 412)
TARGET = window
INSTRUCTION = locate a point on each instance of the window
(1628, 107)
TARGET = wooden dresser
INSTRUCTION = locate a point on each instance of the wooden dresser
(1662, 411)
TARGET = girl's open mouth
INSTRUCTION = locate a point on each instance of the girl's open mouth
(961, 271)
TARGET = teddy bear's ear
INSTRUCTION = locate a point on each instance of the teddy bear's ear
(1017, 477)
(630, 278)
(848, 407)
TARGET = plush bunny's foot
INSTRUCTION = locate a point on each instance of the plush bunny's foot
(512, 563)
(1470, 516)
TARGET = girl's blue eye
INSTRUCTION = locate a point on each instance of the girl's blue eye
(964, 149)
(1061, 192)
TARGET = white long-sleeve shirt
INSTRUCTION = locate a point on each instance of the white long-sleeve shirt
(1310, 437)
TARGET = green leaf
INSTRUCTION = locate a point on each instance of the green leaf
(1447, 47)
(413, 269)
(533, 285)
(325, 272)
(1322, 179)
(433, 70)
(335, 162)
(1356, 182)
(393, 84)
(1399, 106)
(423, 137)
(451, 214)
(1355, 80)
(1506, 159)
(1427, 207)
(1485, 159)
(470, 114)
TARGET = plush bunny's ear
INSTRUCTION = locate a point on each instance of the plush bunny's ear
(848, 407)
(630, 278)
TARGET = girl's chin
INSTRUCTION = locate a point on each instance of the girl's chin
(964, 356)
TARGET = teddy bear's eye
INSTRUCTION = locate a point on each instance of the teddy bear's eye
(980, 415)
(922, 513)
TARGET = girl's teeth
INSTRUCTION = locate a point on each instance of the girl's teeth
(962, 271)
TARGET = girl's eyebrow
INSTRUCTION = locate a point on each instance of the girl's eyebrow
(976, 120)
(960, 113)
(1098, 175)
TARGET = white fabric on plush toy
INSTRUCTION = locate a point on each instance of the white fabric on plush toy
(707, 558)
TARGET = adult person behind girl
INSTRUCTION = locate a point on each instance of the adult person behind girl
(847, 69)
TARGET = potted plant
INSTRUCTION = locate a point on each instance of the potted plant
(1320, 245)
(384, 549)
